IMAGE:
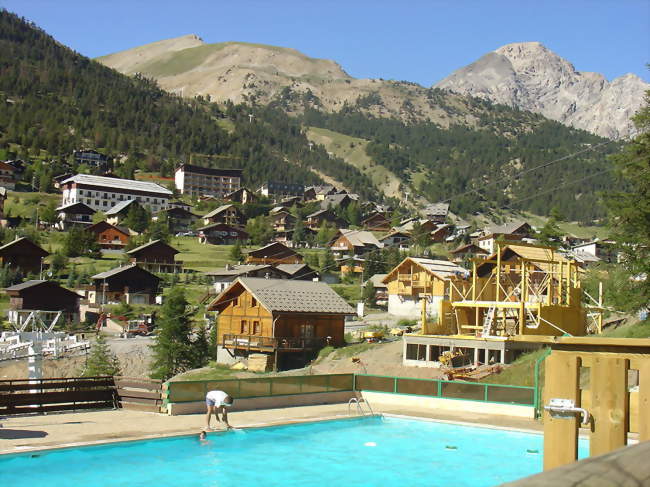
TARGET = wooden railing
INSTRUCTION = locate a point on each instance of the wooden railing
(139, 394)
(24, 396)
(254, 342)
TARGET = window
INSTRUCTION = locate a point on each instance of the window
(257, 329)
(244, 327)
(235, 301)
(253, 302)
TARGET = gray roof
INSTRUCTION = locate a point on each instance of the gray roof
(377, 280)
(506, 228)
(216, 211)
(83, 206)
(237, 270)
(117, 270)
(148, 244)
(333, 200)
(128, 184)
(438, 209)
(25, 285)
(360, 238)
(295, 296)
(292, 269)
(119, 207)
(441, 268)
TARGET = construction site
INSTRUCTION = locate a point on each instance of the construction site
(510, 300)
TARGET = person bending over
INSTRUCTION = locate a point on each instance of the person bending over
(217, 403)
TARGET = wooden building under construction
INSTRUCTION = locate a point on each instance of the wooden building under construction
(517, 292)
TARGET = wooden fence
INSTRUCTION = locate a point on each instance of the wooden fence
(139, 394)
(24, 396)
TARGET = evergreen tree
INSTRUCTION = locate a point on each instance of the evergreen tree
(137, 218)
(259, 230)
(172, 350)
(298, 236)
(368, 294)
(101, 360)
(213, 342)
(630, 209)
(550, 233)
(236, 255)
(201, 348)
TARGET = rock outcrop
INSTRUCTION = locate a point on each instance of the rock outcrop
(529, 76)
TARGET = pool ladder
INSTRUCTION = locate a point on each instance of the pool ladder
(360, 410)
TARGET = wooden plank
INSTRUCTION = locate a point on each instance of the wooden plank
(140, 400)
(57, 407)
(56, 397)
(140, 407)
(122, 383)
(610, 404)
(75, 384)
(644, 400)
(141, 394)
(561, 434)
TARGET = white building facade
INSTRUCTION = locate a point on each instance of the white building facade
(198, 181)
(102, 193)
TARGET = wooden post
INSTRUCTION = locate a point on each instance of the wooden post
(523, 296)
(561, 435)
(644, 401)
(610, 404)
(496, 297)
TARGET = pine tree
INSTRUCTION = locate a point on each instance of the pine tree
(201, 348)
(213, 342)
(172, 351)
(236, 254)
(298, 236)
(101, 360)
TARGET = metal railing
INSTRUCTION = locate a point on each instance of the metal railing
(472, 391)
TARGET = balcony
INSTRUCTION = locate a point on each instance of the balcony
(271, 344)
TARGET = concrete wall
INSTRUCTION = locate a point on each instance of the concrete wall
(410, 307)
(271, 402)
(381, 400)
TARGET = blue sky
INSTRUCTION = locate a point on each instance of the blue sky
(417, 40)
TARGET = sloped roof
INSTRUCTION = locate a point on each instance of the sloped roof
(506, 228)
(83, 207)
(238, 269)
(118, 270)
(377, 280)
(285, 295)
(443, 269)
(542, 257)
(128, 184)
(121, 206)
(152, 244)
(104, 223)
(25, 285)
(438, 209)
(216, 211)
(293, 269)
(24, 241)
(277, 250)
(333, 200)
(468, 246)
(360, 238)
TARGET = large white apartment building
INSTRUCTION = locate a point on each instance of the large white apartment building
(198, 181)
(102, 193)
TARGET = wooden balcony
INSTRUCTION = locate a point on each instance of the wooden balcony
(271, 344)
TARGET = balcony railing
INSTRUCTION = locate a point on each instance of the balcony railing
(254, 342)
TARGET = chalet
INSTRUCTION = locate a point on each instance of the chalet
(425, 225)
(290, 320)
(76, 214)
(228, 214)
(515, 300)
(513, 231)
(278, 191)
(103, 193)
(225, 276)
(350, 264)
(381, 289)
(179, 219)
(300, 272)
(416, 278)
(377, 222)
(179, 204)
(221, 234)
(318, 193)
(354, 242)
(196, 180)
(7, 176)
(274, 253)
(464, 253)
(91, 158)
(156, 256)
(282, 221)
(118, 213)
(130, 284)
(335, 201)
(292, 201)
(316, 219)
(440, 233)
(243, 196)
(396, 238)
(38, 295)
(603, 250)
(24, 255)
(110, 237)
(436, 212)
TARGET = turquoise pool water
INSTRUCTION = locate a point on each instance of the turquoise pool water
(359, 452)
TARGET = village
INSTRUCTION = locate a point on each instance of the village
(338, 271)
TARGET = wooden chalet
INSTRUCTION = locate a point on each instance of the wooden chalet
(298, 271)
(436, 212)
(440, 233)
(396, 238)
(354, 242)
(228, 214)
(466, 252)
(315, 220)
(156, 256)
(225, 276)
(243, 196)
(110, 237)
(179, 219)
(7, 175)
(130, 284)
(288, 319)
(335, 201)
(318, 193)
(377, 222)
(117, 214)
(381, 289)
(274, 253)
(283, 221)
(415, 278)
(221, 234)
(76, 214)
(37, 295)
(513, 231)
(24, 255)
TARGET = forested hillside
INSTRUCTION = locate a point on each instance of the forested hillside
(477, 168)
(53, 100)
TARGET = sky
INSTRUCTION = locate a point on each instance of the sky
(413, 40)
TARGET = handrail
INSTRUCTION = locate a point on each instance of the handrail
(357, 401)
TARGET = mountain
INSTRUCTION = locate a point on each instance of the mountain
(531, 77)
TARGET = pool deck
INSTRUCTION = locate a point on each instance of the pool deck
(60, 430)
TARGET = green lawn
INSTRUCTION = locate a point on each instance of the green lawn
(24, 204)
(201, 257)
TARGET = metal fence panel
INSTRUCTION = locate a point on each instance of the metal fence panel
(375, 383)
(463, 390)
(417, 386)
(513, 395)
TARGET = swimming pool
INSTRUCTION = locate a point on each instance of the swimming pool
(370, 451)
